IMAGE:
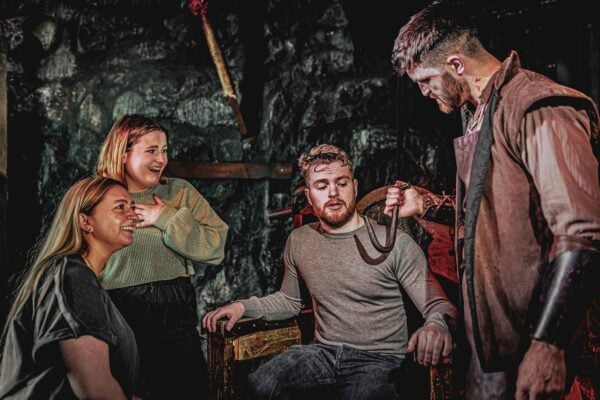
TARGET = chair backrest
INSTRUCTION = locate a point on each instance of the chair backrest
(436, 240)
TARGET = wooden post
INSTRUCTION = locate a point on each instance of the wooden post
(3, 119)
(3, 185)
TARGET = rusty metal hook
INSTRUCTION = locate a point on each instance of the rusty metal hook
(390, 241)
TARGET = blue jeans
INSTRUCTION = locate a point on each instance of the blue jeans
(340, 371)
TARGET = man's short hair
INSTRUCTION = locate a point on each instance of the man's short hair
(323, 154)
(433, 33)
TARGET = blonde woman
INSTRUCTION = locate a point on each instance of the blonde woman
(150, 281)
(64, 338)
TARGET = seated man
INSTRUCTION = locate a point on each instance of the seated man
(360, 322)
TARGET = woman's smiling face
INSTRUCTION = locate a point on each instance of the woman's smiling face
(145, 161)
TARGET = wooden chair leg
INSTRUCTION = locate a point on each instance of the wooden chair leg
(440, 379)
(250, 339)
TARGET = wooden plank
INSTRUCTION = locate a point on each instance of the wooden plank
(228, 170)
(3, 118)
(247, 325)
(264, 343)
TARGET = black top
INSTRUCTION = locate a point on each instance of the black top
(74, 305)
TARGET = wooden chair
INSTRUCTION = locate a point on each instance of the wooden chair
(231, 355)
(252, 341)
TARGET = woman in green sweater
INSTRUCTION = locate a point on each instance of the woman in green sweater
(150, 281)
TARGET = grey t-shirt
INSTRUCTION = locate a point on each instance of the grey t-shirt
(74, 305)
(355, 289)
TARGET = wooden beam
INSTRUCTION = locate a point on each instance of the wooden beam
(4, 265)
(594, 35)
(3, 118)
(228, 170)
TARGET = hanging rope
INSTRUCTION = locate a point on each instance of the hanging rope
(199, 8)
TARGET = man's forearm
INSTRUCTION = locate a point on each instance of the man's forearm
(275, 306)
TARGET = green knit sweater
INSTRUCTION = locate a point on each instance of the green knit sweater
(187, 230)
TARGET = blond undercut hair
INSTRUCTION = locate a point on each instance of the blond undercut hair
(323, 154)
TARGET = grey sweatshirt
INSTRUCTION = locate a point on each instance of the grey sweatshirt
(355, 289)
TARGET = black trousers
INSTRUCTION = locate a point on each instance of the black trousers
(164, 318)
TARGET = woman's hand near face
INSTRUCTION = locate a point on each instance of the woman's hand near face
(148, 213)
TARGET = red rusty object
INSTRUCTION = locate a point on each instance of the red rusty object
(200, 8)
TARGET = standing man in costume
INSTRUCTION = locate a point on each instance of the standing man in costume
(527, 204)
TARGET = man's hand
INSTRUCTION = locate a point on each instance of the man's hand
(233, 312)
(430, 341)
(409, 201)
(542, 373)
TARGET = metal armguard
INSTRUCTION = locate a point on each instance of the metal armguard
(569, 284)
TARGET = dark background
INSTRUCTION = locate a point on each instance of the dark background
(306, 72)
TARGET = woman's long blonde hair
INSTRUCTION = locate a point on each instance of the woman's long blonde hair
(64, 238)
(124, 133)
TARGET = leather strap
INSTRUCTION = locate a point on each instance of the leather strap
(569, 284)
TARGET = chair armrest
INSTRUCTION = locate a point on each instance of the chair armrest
(247, 325)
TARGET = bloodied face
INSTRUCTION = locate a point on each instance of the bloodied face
(447, 89)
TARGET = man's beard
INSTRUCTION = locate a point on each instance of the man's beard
(452, 98)
(337, 218)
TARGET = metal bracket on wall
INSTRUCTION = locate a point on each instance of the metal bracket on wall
(228, 170)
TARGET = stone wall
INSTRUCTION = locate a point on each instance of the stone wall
(306, 72)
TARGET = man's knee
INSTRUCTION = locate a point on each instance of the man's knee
(261, 386)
